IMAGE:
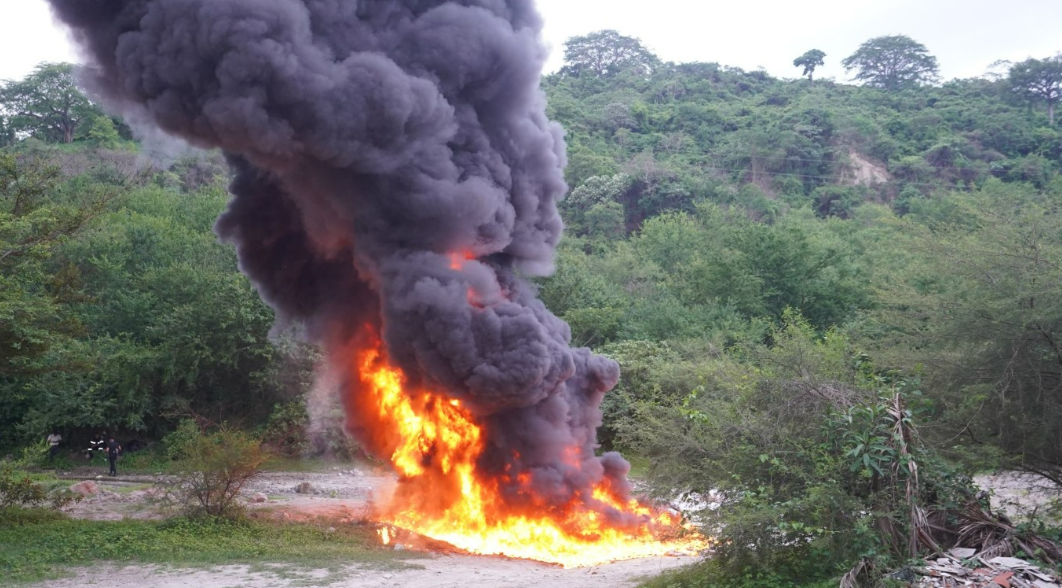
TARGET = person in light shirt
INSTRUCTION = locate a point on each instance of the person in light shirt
(53, 445)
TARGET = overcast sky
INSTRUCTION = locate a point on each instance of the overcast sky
(965, 35)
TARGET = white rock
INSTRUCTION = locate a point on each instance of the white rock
(963, 552)
(1010, 562)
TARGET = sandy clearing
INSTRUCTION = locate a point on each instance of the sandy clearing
(438, 572)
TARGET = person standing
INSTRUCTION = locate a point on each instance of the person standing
(97, 445)
(113, 449)
(53, 445)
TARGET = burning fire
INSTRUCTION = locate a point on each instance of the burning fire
(434, 445)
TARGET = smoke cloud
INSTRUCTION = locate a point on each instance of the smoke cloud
(391, 158)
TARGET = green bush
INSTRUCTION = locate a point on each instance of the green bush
(212, 468)
(285, 433)
(20, 490)
(814, 453)
(181, 439)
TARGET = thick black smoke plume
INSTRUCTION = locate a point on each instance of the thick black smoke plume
(372, 141)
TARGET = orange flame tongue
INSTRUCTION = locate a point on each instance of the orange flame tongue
(434, 445)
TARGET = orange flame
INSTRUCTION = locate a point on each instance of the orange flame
(434, 444)
(457, 260)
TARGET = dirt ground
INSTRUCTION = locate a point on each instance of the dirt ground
(437, 572)
(344, 494)
(340, 489)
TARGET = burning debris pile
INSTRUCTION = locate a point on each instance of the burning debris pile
(396, 179)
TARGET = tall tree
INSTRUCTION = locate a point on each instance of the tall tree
(47, 103)
(606, 53)
(809, 61)
(893, 62)
(1039, 80)
(30, 227)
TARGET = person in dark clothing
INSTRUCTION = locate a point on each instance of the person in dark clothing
(97, 445)
(113, 449)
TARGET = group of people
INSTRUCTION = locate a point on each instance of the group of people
(97, 445)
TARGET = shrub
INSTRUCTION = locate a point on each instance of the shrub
(212, 468)
(18, 490)
(817, 459)
(181, 438)
(285, 433)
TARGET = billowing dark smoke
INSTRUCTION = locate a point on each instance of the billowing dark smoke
(372, 142)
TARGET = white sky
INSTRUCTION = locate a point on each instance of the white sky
(965, 35)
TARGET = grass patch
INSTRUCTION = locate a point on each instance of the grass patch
(145, 461)
(37, 548)
(129, 488)
(639, 466)
(712, 574)
(303, 465)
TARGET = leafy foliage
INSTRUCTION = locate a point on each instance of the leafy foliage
(211, 469)
(894, 62)
(606, 53)
(809, 61)
(48, 105)
(1039, 80)
(23, 494)
(979, 300)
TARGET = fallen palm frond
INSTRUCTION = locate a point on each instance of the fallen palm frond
(995, 536)
(851, 579)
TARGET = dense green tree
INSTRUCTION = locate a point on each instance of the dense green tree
(47, 104)
(606, 53)
(32, 226)
(978, 304)
(130, 319)
(809, 61)
(1039, 80)
(893, 62)
(598, 191)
